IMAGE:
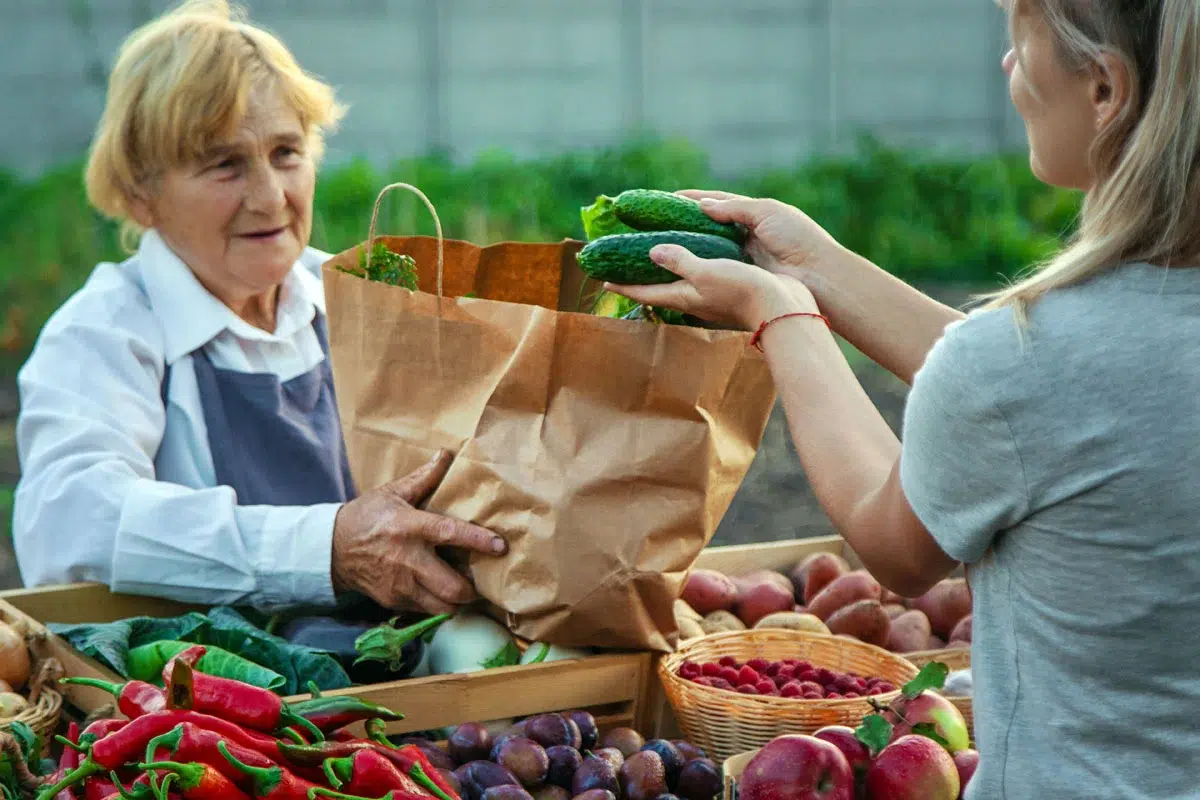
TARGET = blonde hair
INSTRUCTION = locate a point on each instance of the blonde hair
(1145, 205)
(182, 83)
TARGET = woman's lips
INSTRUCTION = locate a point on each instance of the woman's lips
(266, 235)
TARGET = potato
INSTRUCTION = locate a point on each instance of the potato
(945, 604)
(888, 596)
(849, 588)
(935, 643)
(958, 645)
(684, 611)
(910, 632)
(707, 590)
(893, 609)
(758, 576)
(815, 573)
(720, 621)
(791, 621)
(688, 628)
(865, 620)
(962, 631)
(761, 595)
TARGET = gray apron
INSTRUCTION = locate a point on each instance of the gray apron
(275, 443)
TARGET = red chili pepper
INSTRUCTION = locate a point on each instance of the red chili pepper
(188, 742)
(332, 713)
(129, 743)
(238, 702)
(414, 763)
(134, 698)
(369, 772)
(393, 795)
(190, 656)
(196, 781)
(101, 728)
(409, 759)
(273, 782)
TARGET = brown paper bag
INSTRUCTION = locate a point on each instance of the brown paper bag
(604, 451)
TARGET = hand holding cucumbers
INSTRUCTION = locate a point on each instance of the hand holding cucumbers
(665, 250)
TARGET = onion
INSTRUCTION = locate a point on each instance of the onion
(11, 704)
(14, 657)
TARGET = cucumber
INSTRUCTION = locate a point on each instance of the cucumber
(625, 257)
(654, 210)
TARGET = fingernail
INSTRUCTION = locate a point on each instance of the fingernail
(498, 545)
(659, 254)
(708, 201)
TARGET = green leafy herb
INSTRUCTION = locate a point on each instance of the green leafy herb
(600, 219)
(932, 676)
(509, 656)
(875, 732)
(29, 742)
(387, 267)
(929, 731)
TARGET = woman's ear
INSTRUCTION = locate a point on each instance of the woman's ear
(140, 209)
(1110, 89)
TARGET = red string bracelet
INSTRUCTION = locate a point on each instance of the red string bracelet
(754, 340)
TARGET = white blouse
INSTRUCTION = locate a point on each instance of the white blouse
(116, 488)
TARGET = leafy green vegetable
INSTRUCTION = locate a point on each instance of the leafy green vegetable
(509, 656)
(929, 731)
(387, 267)
(30, 743)
(600, 219)
(932, 676)
(875, 732)
(224, 628)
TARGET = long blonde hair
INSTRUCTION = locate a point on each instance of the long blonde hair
(1145, 205)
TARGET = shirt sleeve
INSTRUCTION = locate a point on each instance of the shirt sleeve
(89, 508)
(960, 467)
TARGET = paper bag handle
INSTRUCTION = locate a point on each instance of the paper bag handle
(437, 223)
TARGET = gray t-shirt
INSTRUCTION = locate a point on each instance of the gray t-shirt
(1064, 470)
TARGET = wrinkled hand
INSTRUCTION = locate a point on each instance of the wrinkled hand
(720, 290)
(383, 545)
(782, 238)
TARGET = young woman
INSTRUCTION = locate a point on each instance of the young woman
(1052, 438)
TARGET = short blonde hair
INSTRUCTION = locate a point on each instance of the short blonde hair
(180, 84)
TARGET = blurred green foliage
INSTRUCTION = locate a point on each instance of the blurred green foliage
(925, 218)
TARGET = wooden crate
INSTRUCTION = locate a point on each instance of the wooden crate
(614, 688)
(735, 560)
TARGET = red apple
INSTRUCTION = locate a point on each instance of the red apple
(913, 768)
(967, 762)
(857, 754)
(798, 767)
(932, 708)
(759, 595)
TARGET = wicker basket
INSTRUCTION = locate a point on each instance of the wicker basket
(726, 723)
(45, 703)
(955, 658)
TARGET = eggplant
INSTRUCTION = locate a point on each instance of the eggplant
(336, 637)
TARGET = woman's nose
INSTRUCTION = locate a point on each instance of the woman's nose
(1009, 61)
(265, 189)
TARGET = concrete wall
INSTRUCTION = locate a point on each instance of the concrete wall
(755, 82)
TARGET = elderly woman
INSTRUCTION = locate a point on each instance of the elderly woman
(179, 433)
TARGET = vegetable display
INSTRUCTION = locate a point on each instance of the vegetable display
(822, 594)
(216, 737)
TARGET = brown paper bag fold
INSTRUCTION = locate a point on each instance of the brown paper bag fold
(604, 451)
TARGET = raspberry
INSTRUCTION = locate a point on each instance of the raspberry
(861, 685)
(832, 696)
(852, 694)
(825, 676)
(886, 687)
(758, 664)
(689, 670)
(721, 683)
(772, 669)
(765, 686)
(710, 669)
(791, 690)
(704, 680)
(728, 661)
(806, 674)
(812, 696)
(801, 665)
(746, 688)
(809, 686)
(729, 674)
(846, 684)
(747, 674)
(781, 680)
